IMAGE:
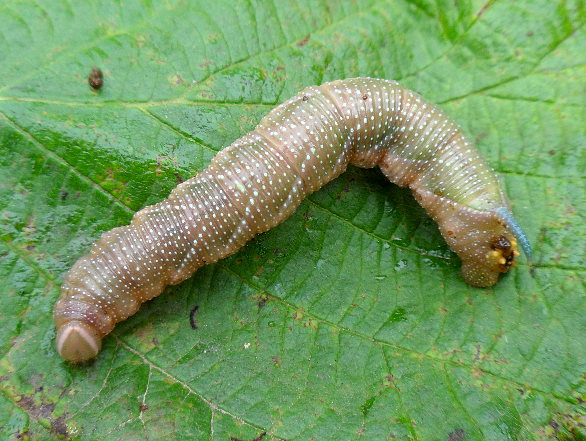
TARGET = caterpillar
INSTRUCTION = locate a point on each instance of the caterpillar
(260, 179)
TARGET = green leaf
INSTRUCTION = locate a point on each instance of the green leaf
(349, 320)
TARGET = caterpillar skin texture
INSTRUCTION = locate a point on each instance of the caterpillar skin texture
(259, 180)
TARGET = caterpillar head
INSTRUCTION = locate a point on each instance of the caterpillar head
(503, 254)
(484, 259)
(486, 241)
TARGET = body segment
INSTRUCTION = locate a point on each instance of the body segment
(260, 179)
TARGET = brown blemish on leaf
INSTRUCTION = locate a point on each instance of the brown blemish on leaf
(43, 410)
(297, 315)
(457, 435)
(261, 299)
(59, 427)
(477, 355)
(258, 438)
(30, 226)
(304, 41)
(310, 323)
(176, 80)
(480, 137)
(346, 189)
(389, 381)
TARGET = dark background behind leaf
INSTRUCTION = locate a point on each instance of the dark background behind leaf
(348, 321)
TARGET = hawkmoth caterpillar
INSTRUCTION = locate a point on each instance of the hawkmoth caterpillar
(261, 178)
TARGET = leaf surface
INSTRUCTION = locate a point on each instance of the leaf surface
(349, 320)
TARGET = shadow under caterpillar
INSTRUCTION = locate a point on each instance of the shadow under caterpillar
(260, 179)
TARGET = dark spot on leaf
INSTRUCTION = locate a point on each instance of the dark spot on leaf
(262, 299)
(277, 360)
(155, 341)
(552, 152)
(35, 410)
(389, 381)
(143, 407)
(304, 41)
(192, 320)
(529, 33)
(30, 247)
(59, 427)
(258, 438)
(64, 194)
(456, 435)
(178, 178)
(43, 411)
(346, 189)
(477, 355)
(480, 137)
(96, 78)
(305, 98)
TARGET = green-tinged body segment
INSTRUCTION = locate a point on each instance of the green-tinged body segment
(258, 181)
